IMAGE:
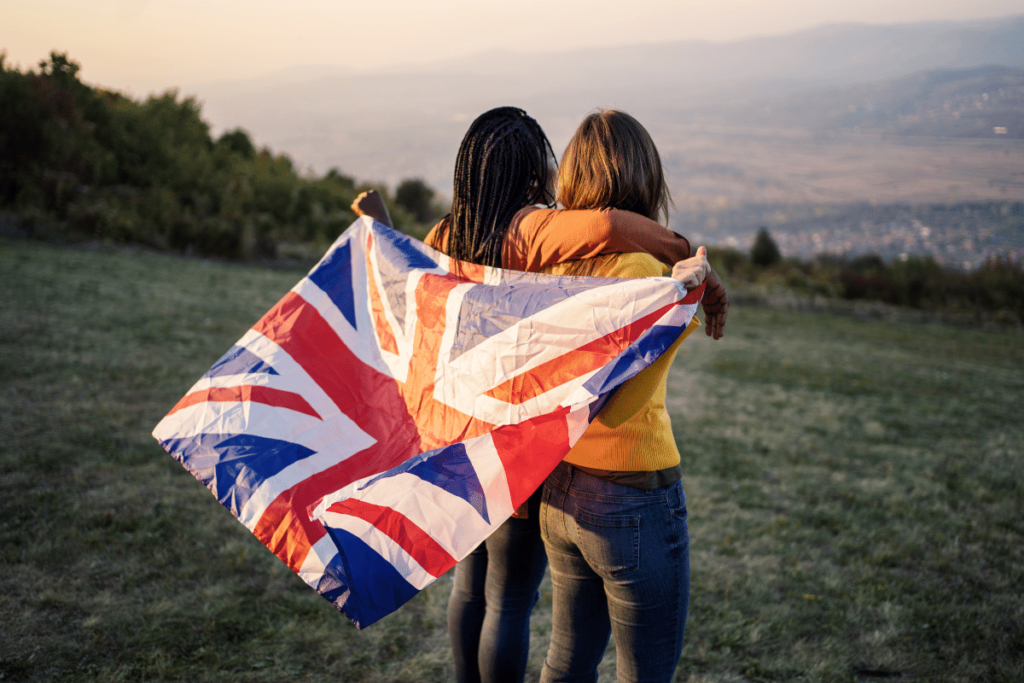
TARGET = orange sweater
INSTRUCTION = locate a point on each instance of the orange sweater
(540, 237)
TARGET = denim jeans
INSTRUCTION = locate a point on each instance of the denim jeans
(494, 593)
(620, 563)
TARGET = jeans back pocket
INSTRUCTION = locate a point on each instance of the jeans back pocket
(609, 543)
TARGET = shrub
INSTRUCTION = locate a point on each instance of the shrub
(417, 198)
(765, 252)
(81, 162)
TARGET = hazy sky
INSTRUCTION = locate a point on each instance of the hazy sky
(145, 45)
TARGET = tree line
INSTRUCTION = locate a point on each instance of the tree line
(915, 282)
(80, 162)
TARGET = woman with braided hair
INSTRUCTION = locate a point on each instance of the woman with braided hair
(505, 163)
(505, 166)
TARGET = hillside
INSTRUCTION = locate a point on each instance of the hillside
(398, 122)
(979, 102)
(79, 162)
(853, 122)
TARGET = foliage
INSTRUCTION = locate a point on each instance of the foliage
(80, 162)
(998, 285)
(765, 251)
(855, 493)
(419, 200)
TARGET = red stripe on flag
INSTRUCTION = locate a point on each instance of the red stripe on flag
(403, 531)
(522, 446)
(466, 271)
(254, 394)
(573, 364)
(380, 321)
(694, 295)
(372, 400)
(439, 423)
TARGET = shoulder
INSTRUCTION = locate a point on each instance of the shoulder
(436, 238)
(601, 221)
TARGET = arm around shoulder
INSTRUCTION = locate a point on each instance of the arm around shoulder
(546, 236)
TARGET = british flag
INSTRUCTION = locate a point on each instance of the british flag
(395, 407)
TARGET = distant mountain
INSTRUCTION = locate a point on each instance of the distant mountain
(644, 73)
(408, 121)
(980, 102)
(833, 54)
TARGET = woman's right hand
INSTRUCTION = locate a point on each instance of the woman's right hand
(371, 204)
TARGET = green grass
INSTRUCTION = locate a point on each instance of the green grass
(856, 497)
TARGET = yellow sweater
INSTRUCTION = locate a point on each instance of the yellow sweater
(632, 433)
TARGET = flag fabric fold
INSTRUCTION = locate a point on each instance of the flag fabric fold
(395, 407)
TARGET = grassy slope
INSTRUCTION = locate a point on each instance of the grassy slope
(855, 495)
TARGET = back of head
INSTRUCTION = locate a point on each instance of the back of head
(504, 164)
(611, 163)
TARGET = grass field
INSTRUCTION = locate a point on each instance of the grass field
(856, 497)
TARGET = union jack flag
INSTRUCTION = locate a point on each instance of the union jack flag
(393, 409)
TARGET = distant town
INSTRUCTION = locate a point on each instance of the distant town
(962, 236)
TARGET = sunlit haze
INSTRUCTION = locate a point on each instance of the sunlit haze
(141, 46)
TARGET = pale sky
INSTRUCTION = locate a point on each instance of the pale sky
(141, 46)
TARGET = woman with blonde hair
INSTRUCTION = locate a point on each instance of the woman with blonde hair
(613, 513)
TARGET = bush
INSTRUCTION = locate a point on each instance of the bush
(765, 252)
(417, 198)
(82, 162)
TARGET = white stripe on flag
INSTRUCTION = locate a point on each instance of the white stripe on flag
(446, 518)
(497, 411)
(491, 472)
(383, 545)
(291, 376)
(578, 421)
(238, 417)
(542, 337)
(319, 556)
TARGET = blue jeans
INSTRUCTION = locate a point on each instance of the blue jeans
(620, 563)
(494, 593)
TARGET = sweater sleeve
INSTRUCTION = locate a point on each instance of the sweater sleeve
(541, 237)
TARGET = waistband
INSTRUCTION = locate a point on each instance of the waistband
(564, 473)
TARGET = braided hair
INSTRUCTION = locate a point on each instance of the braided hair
(505, 163)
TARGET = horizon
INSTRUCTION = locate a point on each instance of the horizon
(430, 66)
(139, 47)
(748, 128)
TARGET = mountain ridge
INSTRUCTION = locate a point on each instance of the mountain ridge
(1000, 38)
(763, 121)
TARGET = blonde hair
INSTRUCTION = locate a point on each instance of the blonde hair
(611, 163)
